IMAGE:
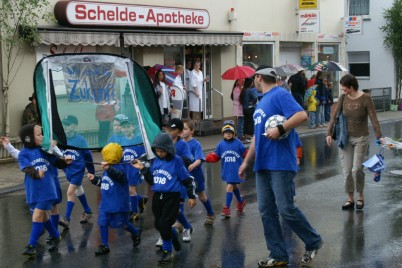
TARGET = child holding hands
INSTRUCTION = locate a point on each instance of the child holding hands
(231, 151)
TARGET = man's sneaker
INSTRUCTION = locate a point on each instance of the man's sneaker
(136, 238)
(209, 220)
(85, 217)
(102, 250)
(159, 243)
(64, 222)
(270, 262)
(176, 243)
(166, 257)
(142, 204)
(226, 212)
(54, 243)
(309, 255)
(29, 251)
(187, 234)
(240, 206)
(179, 227)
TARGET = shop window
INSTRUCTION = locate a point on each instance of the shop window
(255, 55)
(172, 55)
(359, 63)
(359, 7)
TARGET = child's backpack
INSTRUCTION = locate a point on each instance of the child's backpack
(308, 94)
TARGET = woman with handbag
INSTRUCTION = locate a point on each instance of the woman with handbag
(356, 107)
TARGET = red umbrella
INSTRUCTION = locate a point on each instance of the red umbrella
(238, 72)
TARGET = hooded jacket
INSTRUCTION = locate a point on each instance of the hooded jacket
(164, 142)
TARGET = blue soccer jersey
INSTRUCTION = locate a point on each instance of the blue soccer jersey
(183, 151)
(168, 175)
(231, 155)
(115, 195)
(131, 153)
(275, 154)
(38, 189)
(198, 154)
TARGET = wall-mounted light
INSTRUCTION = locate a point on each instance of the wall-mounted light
(232, 15)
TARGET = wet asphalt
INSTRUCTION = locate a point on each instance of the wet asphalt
(371, 237)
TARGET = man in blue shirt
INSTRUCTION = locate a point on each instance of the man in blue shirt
(275, 168)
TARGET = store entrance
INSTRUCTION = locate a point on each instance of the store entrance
(200, 54)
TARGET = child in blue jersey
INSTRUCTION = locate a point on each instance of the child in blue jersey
(132, 150)
(175, 129)
(54, 214)
(196, 168)
(231, 151)
(166, 174)
(81, 159)
(117, 129)
(40, 186)
(114, 207)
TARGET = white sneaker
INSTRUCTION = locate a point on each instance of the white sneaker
(187, 235)
(159, 243)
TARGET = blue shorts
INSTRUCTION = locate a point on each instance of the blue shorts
(59, 197)
(135, 180)
(44, 205)
(76, 180)
(200, 185)
(113, 219)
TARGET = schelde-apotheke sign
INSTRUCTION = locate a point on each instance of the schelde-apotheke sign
(77, 13)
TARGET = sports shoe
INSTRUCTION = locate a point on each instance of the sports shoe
(187, 234)
(29, 251)
(102, 250)
(54, 243)
(240, 206)
(64, 222)
(166, 257)
(309, 255)
(179, 227)
(209, 220)
(136, 238)
(134, 216)
(270, 262)
(176, 243)
(226, 212)
(142, 204)
(159, 243)
(85, 217)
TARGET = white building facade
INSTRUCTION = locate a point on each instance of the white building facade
(231, 33)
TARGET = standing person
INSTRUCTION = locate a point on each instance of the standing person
(196, 168)
(81, 159)
(321, 97)
(197, 81)
(30, 114)
(40, 187)
(114, 206)
(104, 114)
(357, 108)
(118, 133)
(312, 103)
(275, 178)
(237, 93)
(178, 82)
(298, 83)
(162, 93)
(166, 174)
(282, 83)
(187, 75)
(249, 102)
(231, 151)
(329, 102)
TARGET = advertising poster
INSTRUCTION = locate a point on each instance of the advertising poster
(353, 25)
(309, 21)
(308, 4)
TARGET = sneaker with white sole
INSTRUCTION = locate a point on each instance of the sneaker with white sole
(271, 262)
(309, 255)
(85, 217)
(187, 234)
(159, 243)
(209, 220)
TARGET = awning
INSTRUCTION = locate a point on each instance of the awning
(136, 37)
(170, 39)
(80, 38)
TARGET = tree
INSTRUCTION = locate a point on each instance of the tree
(393, 41)
(18, 23)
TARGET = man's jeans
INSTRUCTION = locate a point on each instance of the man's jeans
(320, 116)
(275, 197)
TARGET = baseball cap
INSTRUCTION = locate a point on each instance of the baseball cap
(69, 120)
(267, 71)
(176, 123)
(228, 125)
(120, 117)
(126, 121)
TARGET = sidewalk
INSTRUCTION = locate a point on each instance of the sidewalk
(11, 178)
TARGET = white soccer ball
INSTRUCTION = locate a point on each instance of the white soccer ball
(273, 122)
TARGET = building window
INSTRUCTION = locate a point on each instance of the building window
(255, 55)
(359, 7)
(359, 63)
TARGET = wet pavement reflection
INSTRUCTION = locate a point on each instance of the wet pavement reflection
(368, 238)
